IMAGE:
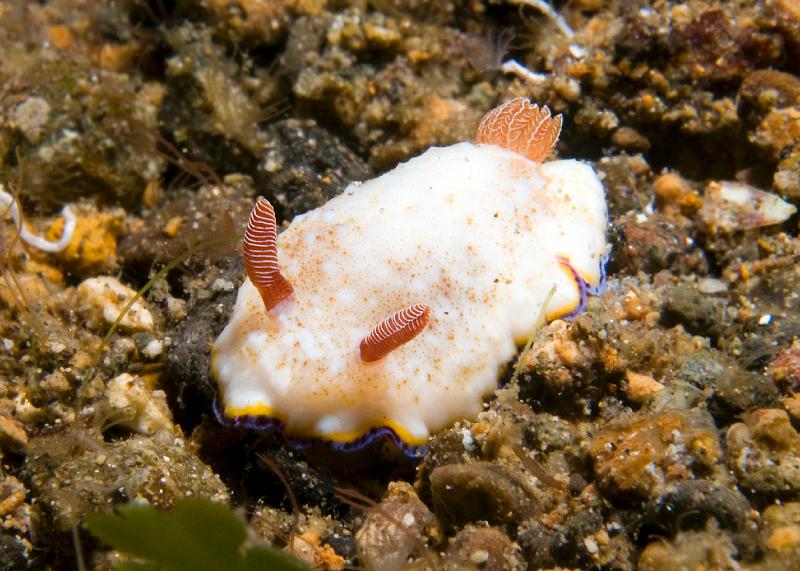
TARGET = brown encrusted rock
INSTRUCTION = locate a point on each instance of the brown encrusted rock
(787, 13)
(480, 491)
(629, 139)
(767, 89)
(73, 472)
(78, 130)
(675, 195)
(784, 369)
(484, 548)
(252, 21)
(691, 550)
(783, 529)
(637, 456)
(779, 131)
(625, 179)
(700, 314)
(453, 445)
(572, 365)
(16, 550)
(732, 389)
(395, 531)
(186, 217)
(391, 110)
(654, 243)
(764, 453)
(304, 165)
(787, 176)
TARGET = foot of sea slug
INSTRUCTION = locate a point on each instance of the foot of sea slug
(367, 440)
(249, 421)
(585, 289)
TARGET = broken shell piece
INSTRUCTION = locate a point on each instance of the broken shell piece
(733, 206)
(136, 407)
(101, 299)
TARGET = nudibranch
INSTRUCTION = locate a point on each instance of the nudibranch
(392, 309)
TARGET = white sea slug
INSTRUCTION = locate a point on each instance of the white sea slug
(391, 310)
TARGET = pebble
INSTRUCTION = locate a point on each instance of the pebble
(100, 301)
(768, 89)
(675, 195)
(690, 504)
(653, 243)
(464, 493)
(153, 349)
(55, 383)
(384, 547)
(784, 369)
(640, 388)
(30, 116)
(573, 544)
(732, 390)
(738, 391)
(689, 551)
(711, 286)
(698, 313)
(12, 432)
(782, 530)
(487, 548)
(629, 139)
(783, 525)
(764, 453)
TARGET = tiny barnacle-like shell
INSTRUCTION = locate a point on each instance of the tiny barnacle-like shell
(521, 126)
(260, 252)
(394, 331)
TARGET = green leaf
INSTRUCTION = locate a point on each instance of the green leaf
(261, 557)
(226, 534)
(133, 566)
(198, 535)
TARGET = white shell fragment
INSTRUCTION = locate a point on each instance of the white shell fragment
(731, 206)
(137, 408)
(477, 233)
(101, 299)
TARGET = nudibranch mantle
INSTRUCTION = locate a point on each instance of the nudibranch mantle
(477, 233)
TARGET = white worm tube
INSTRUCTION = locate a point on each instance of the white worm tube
(9, 205)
